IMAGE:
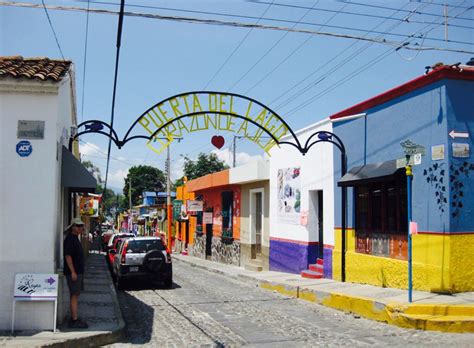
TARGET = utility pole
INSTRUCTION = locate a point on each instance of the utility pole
(130, 204)
(168, 194)
(234, 149)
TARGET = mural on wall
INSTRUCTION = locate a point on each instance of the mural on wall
(435, 176)
(289, 195)
(458, 173)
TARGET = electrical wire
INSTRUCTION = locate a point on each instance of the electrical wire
(289, 55)
(353, 74)
(302, 90)
(247, 25)
(117, 57)
(354, 13)
(84, 68)
(234, 51)
(52, 29)
(270, 49)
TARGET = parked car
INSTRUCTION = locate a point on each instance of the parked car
(112, 239)
(112, 250)
(105, 239)
(143, 258)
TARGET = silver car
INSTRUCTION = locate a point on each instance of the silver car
(143, 258)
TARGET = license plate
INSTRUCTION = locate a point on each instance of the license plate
(133, 269)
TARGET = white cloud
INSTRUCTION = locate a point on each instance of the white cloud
(117, 178)
(241, 158)
(177, 167)
(86, 148)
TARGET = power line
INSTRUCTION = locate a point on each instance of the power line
(247, 25)
(358, 13)
(289, 55)
(234, 51)
(117, 57)
(352, 75)
(302, 90)
(52, 28)
(421, 13)
(269, 50)
(85, 62)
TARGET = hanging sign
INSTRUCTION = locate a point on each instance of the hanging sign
(219, 111)
(177, 203)
(193, 206)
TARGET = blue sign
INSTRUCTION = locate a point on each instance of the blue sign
(24, 148)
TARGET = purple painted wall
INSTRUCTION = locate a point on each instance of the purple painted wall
(328, 263)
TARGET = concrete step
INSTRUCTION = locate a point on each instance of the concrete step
(316, 267)
(311, 274)
(320, 262)
(254, 265)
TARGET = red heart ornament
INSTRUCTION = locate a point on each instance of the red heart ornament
(218, 141)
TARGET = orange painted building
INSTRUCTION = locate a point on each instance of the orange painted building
(219, 237)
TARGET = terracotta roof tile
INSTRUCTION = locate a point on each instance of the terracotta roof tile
(34, 68)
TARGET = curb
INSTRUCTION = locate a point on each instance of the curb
(103, 338)
(430, 317)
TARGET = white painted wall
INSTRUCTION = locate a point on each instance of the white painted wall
(316, 174)
(30, 192)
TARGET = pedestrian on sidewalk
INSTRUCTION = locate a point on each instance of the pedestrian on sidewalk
(74, 269)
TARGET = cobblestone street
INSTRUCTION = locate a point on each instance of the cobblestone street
(208, 309)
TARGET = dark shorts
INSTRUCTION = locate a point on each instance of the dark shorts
(76, 287)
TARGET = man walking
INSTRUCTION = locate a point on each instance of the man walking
(74, 270)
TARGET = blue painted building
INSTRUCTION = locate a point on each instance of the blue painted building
(435, 111)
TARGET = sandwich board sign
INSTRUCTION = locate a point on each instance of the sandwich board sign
(35, 287)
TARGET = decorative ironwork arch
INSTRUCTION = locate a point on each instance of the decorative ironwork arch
(97, 126)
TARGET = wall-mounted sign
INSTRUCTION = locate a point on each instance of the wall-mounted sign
(437, 152)
(217, 111)
(36, 286)
(453, 134)
(194, 206)
(461, 150)
(206, 218)
(177, 203)
(30, 129)
(24, 148)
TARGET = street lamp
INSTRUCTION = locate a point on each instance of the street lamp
(325, 136)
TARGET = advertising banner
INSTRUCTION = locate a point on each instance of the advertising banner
(289, 195)
(89, 206)
(177, 203)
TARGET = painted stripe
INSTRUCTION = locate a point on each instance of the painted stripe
(328, 246)
(419, 232)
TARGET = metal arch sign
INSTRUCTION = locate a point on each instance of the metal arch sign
(202, 110)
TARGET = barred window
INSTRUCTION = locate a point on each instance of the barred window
(381, 218)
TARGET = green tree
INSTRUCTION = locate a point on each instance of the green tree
(94, 170)
(143, 178)
(205, 164)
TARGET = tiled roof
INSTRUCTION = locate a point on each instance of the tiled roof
(43, 69)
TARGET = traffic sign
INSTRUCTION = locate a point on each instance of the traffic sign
(24, 148)
(414, 161)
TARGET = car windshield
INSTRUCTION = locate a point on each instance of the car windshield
(143, 246)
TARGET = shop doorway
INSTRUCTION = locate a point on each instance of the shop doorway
(256, 222)
(208, 230)
(315, 218)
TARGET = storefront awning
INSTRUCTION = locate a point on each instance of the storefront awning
(74, 175)
(369, 173)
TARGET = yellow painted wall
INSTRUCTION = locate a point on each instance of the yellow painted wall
(441, 263)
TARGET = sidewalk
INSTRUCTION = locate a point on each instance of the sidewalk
(98, 306)
(428, 311)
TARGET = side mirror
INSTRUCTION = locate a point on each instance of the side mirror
(113, 251)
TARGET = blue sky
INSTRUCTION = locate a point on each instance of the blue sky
(161, 58)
